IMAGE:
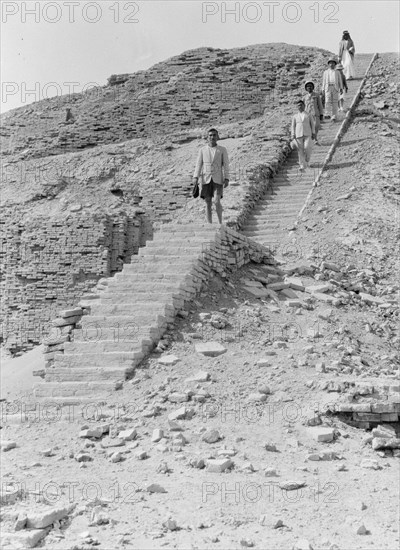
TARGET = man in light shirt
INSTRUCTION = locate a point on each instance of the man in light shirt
(332, 85)
(213, 165)
(302, 134)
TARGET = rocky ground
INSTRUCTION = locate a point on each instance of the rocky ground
(242, 449)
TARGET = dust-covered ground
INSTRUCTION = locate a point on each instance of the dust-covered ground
(254, 406)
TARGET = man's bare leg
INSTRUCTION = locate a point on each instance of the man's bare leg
(208, 209)
(218, 208)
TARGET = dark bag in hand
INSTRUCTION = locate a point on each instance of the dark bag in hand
(195, 190)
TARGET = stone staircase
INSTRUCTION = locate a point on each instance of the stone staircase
(130, 315)
(277, 212)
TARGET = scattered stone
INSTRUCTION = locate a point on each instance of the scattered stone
(155, 488)
(116, 457)
(157, 435)
(322, 434)
(42, 519)
(47, 452)
(270, 472)
(201, 376)
(385, 443)
(292, 485)
(170, 525)
(312, 420)
(384, 431)
(142, 455)
(263, 363)
(227, 452)
(175, 426)
(219, 465)
(168, 360)
(323, 456)
(163, 468)
(180, 439)
(210, 349)
(211, 436)
(128, 435)
(271, 447)
(362, 530)
(112, 442)
(83, 457)
(182, 413)
(257, 397)
(196, 462)
(7, 445)
(178, 397)
(20, 522)
(99, 516)
(279, 523)
(218, 321)
(23, 539)
(370, 464)
(91, 433)
(247, 543)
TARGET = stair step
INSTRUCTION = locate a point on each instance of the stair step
(109, 321)
(269, 210)
(131, 333)
(116, 356)
(119, 345)
(66, 374)
(144, 294)
(125, 308)
(74, 389)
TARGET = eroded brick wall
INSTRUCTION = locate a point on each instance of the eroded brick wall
(49, 264)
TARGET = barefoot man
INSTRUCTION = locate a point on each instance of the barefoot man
(213, 165)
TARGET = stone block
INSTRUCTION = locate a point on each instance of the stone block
(201, 376)
(367, 417)
(44, 518)
(369, 299)
(322, 434)
(168, 360)
(128, 435)
(71, 312)
(263, 363)
(61, 322)
(295, 283)
(219, 465)
(385, 443)
(210, 349)
(7, 445)
(318, 288)
(289, 293)
(23, 539)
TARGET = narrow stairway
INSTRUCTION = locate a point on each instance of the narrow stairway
(276, 213)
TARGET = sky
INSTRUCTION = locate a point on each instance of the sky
(51, 48)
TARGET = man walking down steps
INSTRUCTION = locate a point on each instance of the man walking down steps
(302, 134)
(213, 165)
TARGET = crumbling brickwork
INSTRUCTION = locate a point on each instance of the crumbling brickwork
(49, 264)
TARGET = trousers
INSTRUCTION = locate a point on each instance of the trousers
(331, 100)
(304, 146)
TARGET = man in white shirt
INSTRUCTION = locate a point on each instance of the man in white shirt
(332, 85)
(302, 134)
(213, 165)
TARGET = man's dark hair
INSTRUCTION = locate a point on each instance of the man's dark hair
(300, 101)
(212, 130)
